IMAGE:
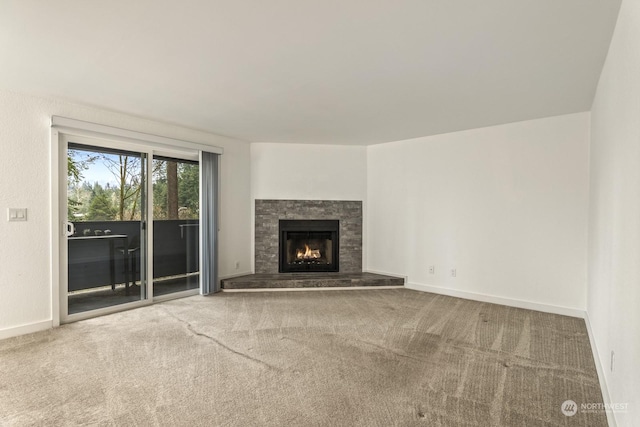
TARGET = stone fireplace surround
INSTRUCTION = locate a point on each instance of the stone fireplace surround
(269, 212)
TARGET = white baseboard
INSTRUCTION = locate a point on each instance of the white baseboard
(25, 329)
(546, 308)
(406, 278)
(606, 397)
(231, 276)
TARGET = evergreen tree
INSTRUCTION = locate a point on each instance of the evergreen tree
(189, 188)
(101, 206)
(77, 162)
(159, 189)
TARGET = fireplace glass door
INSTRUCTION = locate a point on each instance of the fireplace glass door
(313, 248)
(307, 246)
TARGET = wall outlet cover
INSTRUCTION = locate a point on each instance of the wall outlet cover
(17, 214)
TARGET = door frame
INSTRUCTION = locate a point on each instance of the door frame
(63, 248)
(62, 127)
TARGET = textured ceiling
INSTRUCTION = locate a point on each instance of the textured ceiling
(330, 71)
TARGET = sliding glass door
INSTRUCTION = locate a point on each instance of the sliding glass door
(176, 225)
(135, 219)
(132, 226)
(106, 229)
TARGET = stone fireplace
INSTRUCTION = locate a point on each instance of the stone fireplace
(308, 236)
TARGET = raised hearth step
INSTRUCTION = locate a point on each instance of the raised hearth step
(310, 280)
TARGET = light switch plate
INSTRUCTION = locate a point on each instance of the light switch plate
(17, 214)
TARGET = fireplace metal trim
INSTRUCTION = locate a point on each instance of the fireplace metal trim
(312, 225)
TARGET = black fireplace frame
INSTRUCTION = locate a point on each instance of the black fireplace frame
(311, 225)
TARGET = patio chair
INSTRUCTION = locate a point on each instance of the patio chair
(131, 254)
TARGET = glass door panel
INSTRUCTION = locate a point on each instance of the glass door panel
(176, 210)
(106, 234)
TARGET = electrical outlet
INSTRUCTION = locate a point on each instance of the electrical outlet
(613, 359)
(453, 272)
(432, 269)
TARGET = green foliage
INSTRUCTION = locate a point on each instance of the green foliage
(159, 189)
(75, 166)
(90, 201)
(188, 190)
(101, 207)
(126, 170)
(73, 208)
(73, 169)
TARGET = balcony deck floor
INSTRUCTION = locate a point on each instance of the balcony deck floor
(92, 299)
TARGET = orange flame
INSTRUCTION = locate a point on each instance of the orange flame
(308, 253)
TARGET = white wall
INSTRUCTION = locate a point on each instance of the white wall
(505, 205)
(25, 282)
(614, 223)
(308, 172)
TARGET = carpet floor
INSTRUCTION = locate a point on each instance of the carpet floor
(322, 358)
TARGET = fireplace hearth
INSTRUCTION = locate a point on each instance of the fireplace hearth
(309, 246)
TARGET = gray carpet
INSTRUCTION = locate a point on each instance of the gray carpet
(350, 358)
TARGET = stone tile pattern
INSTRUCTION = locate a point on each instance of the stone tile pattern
(269, 212)
(310, 280)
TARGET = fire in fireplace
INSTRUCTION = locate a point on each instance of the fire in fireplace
(309, 245)
(308, 253)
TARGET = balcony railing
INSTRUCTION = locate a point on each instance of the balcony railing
(175, 252)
